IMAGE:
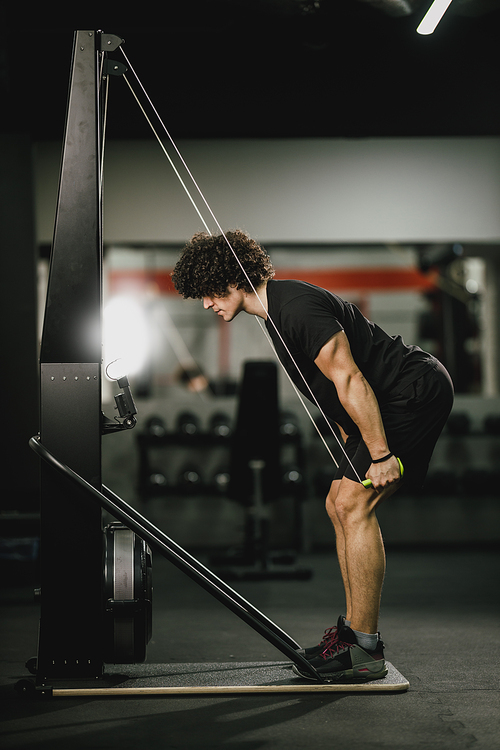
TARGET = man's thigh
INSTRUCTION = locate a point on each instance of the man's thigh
(414, 421)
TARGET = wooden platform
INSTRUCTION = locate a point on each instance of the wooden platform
(213, 678)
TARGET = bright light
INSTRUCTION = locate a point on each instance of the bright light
(433, 16)
(126, 337)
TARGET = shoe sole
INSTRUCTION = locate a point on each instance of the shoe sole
(350, 675)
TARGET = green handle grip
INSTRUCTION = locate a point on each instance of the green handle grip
(368, 482)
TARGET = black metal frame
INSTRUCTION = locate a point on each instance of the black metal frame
(70, 637)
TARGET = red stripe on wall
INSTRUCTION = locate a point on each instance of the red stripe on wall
(353, 279)
(380, 279)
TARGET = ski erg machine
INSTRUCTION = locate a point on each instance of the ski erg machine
(95, 594)
(96, 583)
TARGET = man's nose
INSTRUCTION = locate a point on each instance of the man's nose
(207, 303)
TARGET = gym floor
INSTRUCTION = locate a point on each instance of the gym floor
(440, 623)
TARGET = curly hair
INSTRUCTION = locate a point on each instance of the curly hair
(207, 265)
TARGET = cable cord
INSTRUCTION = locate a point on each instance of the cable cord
(271, 321)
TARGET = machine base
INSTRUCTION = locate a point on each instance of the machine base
(219, 678)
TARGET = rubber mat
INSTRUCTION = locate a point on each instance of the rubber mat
(239, 677)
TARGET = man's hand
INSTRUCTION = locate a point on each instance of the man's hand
(384, 474)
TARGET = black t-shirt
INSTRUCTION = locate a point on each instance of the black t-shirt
(307, 316)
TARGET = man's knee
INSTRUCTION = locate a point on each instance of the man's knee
(354, 503)
(345, 502)
(349, 507)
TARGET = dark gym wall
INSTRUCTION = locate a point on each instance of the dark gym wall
(18, 300)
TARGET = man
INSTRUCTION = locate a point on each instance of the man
(389, 400)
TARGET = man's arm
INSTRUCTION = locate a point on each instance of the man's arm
(356, 396)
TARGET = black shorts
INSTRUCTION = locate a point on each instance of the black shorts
(413, 421)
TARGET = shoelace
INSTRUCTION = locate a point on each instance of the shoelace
(335, 647)
(330, 636)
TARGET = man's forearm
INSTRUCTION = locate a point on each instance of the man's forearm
(359, 401)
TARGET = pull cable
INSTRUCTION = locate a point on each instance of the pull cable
(271, 321)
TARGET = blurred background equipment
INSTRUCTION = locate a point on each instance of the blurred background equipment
(256, 475)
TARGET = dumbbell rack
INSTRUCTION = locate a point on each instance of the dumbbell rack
(206, 441)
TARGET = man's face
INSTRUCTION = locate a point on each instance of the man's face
(226, 307)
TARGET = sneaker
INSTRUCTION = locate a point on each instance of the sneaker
(344, 661)
(330, 636)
